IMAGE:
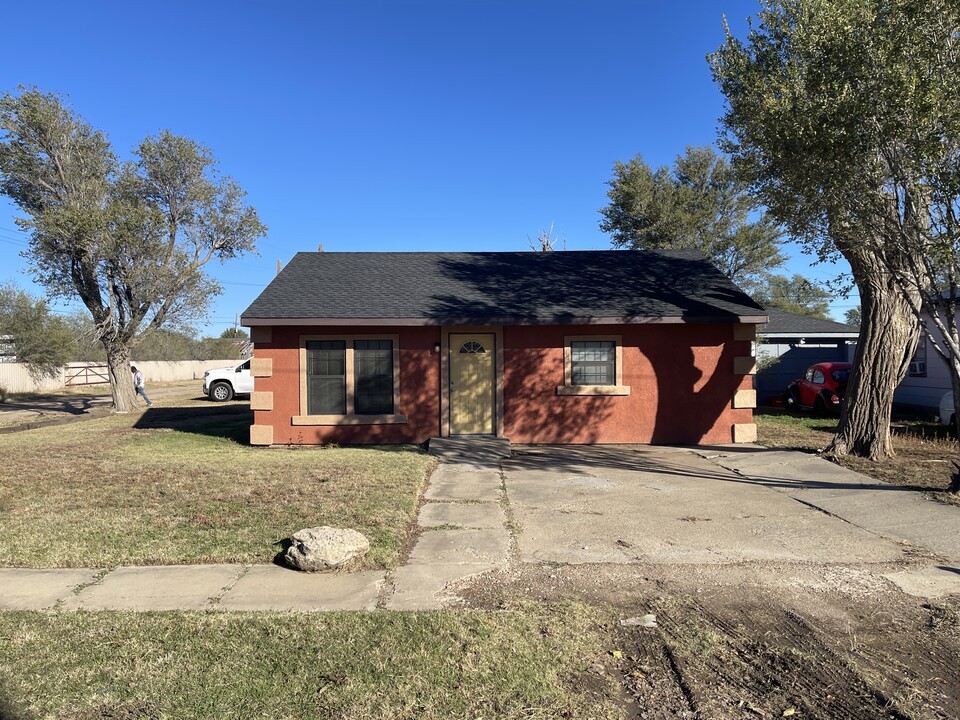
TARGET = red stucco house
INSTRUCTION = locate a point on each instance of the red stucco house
(615, 346)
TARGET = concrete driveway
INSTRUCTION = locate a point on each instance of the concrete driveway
(621, 506)
(668, 505)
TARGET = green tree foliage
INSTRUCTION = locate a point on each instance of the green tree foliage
(129, 239)
(852, 316)
(841, 114)
(170, 345)
(174, 345)
(794, 294)
(225, 347)
(40, 339)
(699, 204)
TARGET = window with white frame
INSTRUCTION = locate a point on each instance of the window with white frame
(918, 363)
(593, 362)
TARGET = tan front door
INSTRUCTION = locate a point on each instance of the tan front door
(472, 384)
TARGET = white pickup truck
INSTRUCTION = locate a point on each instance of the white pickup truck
(221, 384)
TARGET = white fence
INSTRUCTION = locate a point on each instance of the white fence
(14, 377)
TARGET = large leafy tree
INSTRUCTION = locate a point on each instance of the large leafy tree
(794, 294)
(839, 112)
(129, 239)
(39, 338)
(698, 204)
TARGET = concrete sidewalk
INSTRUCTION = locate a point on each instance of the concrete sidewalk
(575, 505)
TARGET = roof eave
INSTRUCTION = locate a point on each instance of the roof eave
(812, 334)
(247, 321)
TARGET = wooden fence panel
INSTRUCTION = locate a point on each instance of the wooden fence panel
(85, 375)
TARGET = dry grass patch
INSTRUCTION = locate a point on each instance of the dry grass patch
(177, 485)
(526, 663)
(925, 454)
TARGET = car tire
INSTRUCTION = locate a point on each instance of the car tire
(789, 403)
(221, 392)
(819, 407)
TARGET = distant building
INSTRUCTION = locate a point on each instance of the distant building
(796, 342)
(8, 351)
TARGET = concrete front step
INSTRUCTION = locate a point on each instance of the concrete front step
(477, 448)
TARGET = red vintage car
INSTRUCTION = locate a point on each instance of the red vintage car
(821, 388)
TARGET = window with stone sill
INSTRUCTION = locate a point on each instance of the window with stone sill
(593, 365)
(351, 380)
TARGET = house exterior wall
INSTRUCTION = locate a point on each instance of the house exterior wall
(419, 397)
(683, 380)
(926, 390)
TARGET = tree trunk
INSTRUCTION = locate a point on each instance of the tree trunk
(888, 338)
(121, 379)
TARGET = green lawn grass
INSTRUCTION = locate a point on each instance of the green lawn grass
(179, 484)
(529, 662)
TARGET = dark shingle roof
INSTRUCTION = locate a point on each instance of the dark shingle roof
(502, 288)
(783, 322)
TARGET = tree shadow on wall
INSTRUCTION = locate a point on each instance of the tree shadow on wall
(531, 378)
(686, 413)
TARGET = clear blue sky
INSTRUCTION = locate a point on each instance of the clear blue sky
(388, 125)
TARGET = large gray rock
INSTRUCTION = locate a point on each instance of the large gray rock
(324, 548)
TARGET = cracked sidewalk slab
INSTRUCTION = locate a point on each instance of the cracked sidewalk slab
(167, 587)
(453, 483)
(891, 511)
(930, 582)
(276, 588)
(478, 516)
(461, 547)
(29, 589)
(431, 587)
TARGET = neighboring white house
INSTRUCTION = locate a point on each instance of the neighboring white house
(797, 341)
(928, 378)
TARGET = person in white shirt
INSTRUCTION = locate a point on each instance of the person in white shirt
(138, 384)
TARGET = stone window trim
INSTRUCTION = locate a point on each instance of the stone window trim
(350, 417)
(568, 388)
